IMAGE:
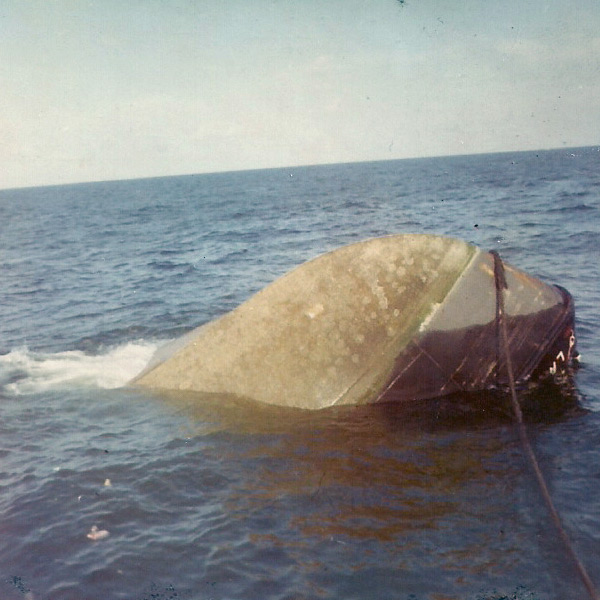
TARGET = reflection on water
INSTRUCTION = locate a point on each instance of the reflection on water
(545, 402)
(431, 500)
(438, 485)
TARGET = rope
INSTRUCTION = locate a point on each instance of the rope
(501, 285)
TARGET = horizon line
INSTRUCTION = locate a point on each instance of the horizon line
(296, 166)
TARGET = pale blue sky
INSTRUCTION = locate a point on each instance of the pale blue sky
(108, 89)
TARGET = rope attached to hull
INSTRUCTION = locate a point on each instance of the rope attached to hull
(501, 285)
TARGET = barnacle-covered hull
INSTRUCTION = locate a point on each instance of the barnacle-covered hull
(393, 318)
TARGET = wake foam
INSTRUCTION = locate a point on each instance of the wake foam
(23, 371)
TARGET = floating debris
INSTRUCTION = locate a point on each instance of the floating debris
(97, 534)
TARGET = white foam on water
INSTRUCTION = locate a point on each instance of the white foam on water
(28, 372)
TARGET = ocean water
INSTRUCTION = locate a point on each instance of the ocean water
(204, 500)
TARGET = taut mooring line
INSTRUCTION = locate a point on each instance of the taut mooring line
(501, 285)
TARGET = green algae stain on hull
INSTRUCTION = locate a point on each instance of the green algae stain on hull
(329, 332)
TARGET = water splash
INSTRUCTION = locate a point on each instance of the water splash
(23, 371)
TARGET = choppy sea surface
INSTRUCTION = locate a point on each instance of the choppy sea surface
(204, 500)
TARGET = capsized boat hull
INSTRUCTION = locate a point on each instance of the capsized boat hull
(395, 318)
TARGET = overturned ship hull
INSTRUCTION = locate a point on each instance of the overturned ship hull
(389, 319)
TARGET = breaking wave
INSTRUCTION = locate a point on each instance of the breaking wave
(23, 371)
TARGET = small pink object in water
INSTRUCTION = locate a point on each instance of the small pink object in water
(97, 534)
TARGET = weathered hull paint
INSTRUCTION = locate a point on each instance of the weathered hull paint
(394, 318)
